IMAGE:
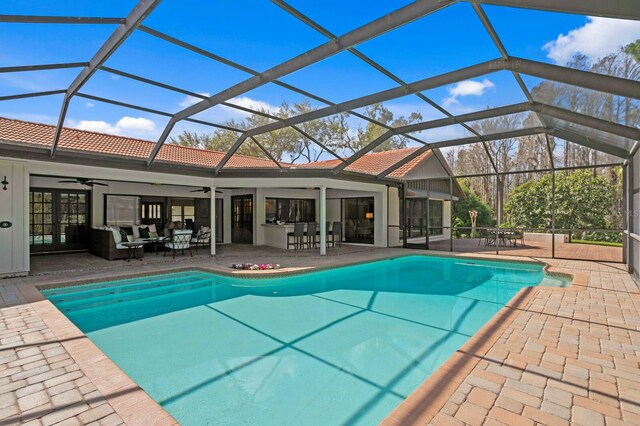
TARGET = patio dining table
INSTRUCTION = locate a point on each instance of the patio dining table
(504, 235)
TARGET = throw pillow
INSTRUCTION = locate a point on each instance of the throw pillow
(144, 232)
(152, 228)
(123, 235)
(117, 237)
(136, 231)
(130, 238)
(153, 234)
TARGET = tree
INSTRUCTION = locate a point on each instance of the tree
(633, 49)
(582, 201)
(471, 201)
(336, 133)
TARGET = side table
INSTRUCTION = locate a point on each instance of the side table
(132, 246)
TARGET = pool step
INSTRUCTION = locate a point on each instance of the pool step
(148, 292)
(122, 289)
(91, 288)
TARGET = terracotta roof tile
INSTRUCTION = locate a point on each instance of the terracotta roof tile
(376, 162)
(18, 131)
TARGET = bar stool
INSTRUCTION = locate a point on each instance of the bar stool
(329, 235)
(336, 231)
(311, 234)
(297, 234)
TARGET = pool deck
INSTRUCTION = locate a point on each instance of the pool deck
(551, 356)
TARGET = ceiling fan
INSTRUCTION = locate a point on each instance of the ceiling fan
(83, 181)
(206, 190)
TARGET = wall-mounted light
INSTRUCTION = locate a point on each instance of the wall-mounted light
(4, 183)
(368, 216)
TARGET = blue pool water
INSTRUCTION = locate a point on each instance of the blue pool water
(340, 346)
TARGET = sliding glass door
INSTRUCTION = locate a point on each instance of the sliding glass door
(358, 220)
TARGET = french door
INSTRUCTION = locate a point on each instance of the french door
(152, 213)
(242, 219)
(58, 220)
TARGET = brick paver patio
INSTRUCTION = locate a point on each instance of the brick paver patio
(551, 356)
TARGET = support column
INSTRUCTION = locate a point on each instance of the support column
(498, 218)
(625, 217)
(553, 214)
(450, 214)
(323, 220)
(631, 216)
(212, 215)
(404, 215)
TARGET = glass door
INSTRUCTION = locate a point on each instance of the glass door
(242, 219)
(152, 214)
(41, 220)
(359, 220)
(58, 220)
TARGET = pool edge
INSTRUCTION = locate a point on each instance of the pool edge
(426, 401)
(120, 390)
(129, 401)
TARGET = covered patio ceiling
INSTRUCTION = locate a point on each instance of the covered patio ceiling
(615, 139)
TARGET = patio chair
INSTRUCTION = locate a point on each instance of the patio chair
(298, 236)
(518, 234)
(486, 236)
(202, 238)
(180, 240)
(311, 234)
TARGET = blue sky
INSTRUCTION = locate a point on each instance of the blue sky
(259, 35)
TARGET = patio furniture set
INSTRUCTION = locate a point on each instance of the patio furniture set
(503, 236)
(114, 243)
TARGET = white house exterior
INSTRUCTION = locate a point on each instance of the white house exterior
(32, 176)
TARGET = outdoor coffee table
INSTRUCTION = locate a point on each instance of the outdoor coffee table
(132, 246)
(155, 242)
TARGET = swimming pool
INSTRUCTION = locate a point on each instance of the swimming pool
(338, 346)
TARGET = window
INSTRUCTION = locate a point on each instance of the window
(183, 213)
(290, 210)
(122, 210)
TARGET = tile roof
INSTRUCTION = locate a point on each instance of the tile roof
(376, 162)
(25, 132)
(18, 131)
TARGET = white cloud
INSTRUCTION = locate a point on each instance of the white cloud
(192, 100)
(89, 105)
(96, 126)
(126, 126)
(467, 88)
(136, 124)
(595, 39)
(220, 113)
(254, 104)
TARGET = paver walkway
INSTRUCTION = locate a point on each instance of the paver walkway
(569, 356)
(553, 357)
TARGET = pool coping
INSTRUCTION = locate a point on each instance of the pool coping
(429, 398)
(135, 406)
